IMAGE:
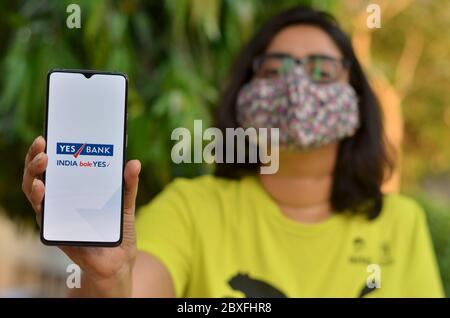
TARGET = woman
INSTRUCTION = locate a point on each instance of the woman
(318, 227)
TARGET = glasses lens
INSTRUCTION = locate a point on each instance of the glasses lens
(323, 69)
(271, 65)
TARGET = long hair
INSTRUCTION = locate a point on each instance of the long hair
(362, 159)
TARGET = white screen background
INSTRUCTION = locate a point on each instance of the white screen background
(84, 204)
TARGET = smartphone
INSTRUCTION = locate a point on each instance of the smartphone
(85, 129)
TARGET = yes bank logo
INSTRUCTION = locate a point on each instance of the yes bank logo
(76, 151)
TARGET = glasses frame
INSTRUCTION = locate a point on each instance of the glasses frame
(344, 64)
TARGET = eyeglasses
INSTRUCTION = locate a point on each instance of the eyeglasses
(320, 68)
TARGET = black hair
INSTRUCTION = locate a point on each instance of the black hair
(362, 160)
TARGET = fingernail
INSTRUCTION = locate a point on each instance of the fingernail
(36, 140)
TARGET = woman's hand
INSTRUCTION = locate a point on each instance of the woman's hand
(106, 271)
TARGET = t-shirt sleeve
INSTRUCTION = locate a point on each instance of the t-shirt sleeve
(422, 277)
(164, 230)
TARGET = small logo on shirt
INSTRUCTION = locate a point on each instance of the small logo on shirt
(360, 254)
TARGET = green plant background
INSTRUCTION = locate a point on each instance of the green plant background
(178, 54)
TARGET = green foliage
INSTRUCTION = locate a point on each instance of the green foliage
(439, 223)
(421, 29)
(177, 55)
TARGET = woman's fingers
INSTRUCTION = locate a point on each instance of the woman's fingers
(35, 164)
(36, 147)
(37, 194)
(131, 176)
(33, 170)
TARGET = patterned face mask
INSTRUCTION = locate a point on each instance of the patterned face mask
(308, 115)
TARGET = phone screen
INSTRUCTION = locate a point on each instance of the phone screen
(86, 136)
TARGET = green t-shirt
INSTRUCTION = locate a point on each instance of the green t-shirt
(228, 238)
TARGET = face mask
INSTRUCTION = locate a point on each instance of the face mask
(308, 115)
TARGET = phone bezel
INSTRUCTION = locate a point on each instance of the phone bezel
(87, 74)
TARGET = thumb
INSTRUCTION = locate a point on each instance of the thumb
(131, 177)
